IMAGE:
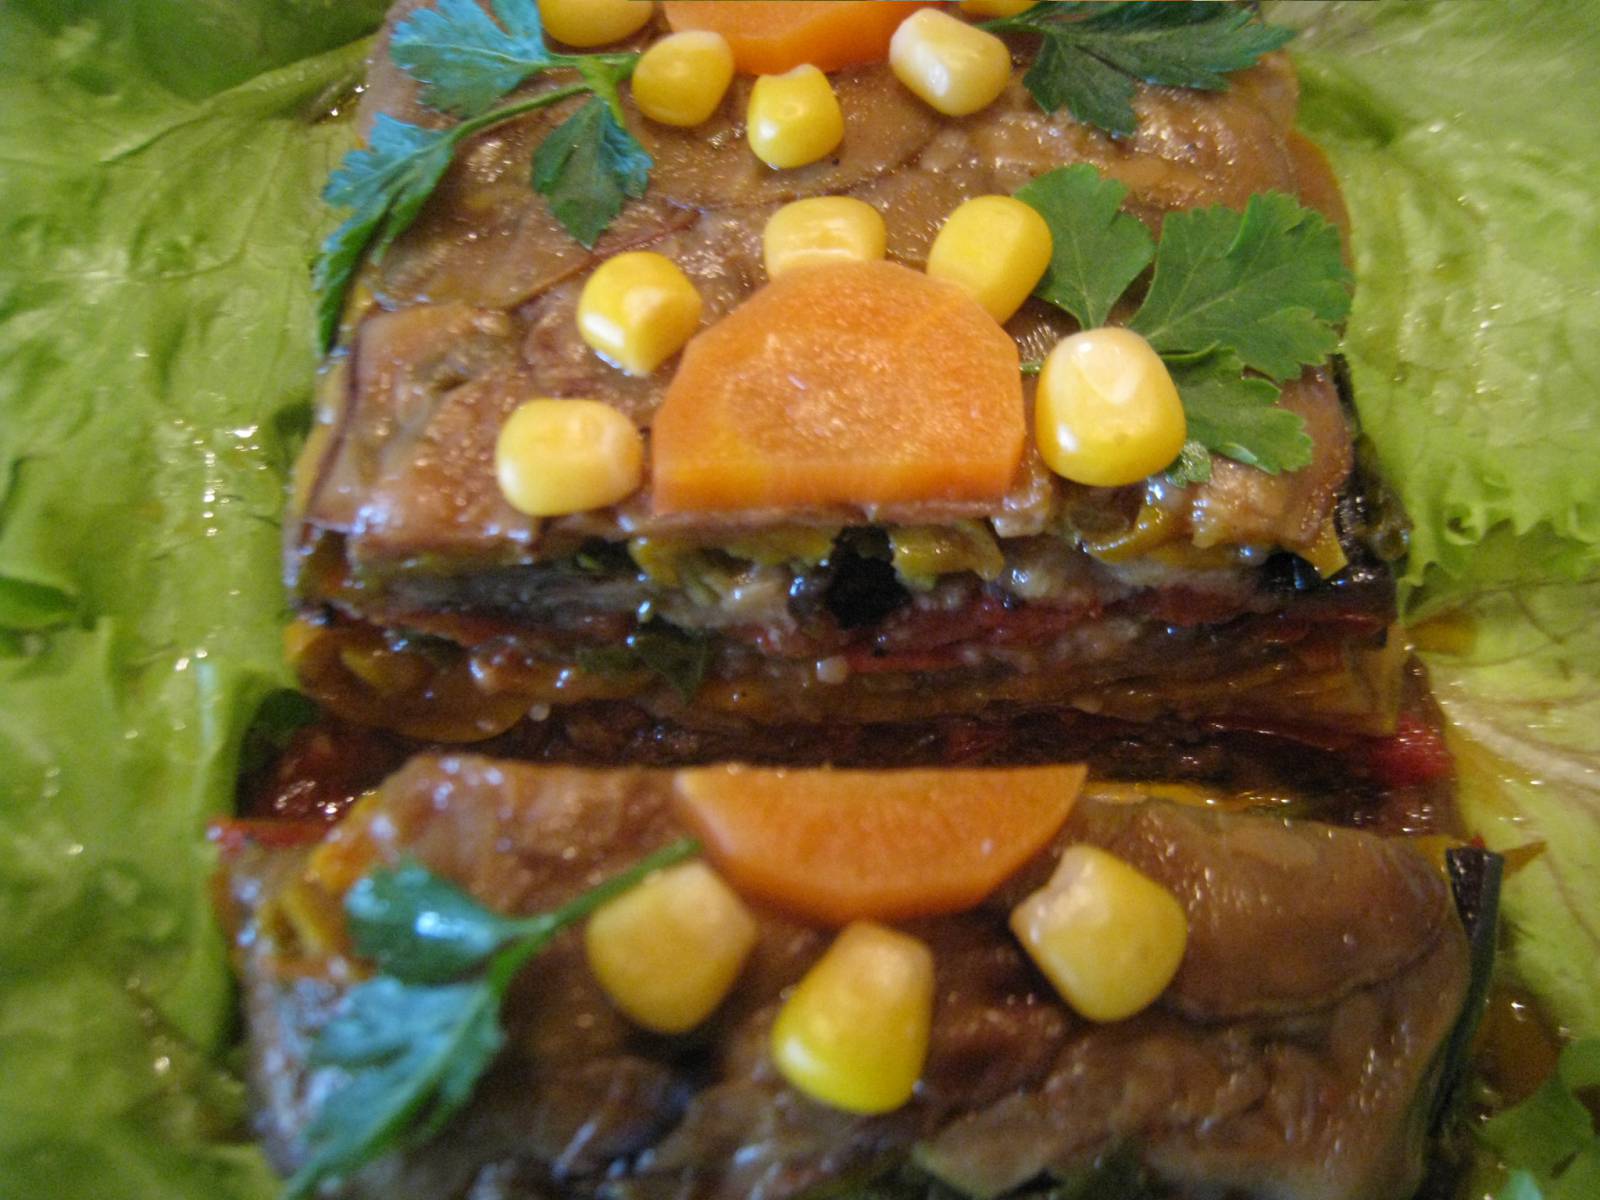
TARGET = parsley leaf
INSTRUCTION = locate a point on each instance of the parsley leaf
(386, 184)
(463, 59)
(413, 1042)
(1098, 250)
(589, 166)
(466, 59)
(413, 1055)
(1234, 297)
(1237, 416)
(1549, 1139)
(420, 928)
(1093, 55)
(1193, 465)
(1267, 284)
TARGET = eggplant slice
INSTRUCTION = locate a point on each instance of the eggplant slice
(1300, 1054)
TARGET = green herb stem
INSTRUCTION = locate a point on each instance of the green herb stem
(507, 112)
(537, 931)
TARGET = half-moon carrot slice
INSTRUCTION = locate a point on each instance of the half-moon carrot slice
(768, 38)
(853, 383)
(841, 846)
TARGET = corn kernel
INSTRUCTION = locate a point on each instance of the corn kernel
(994, 247)
(1107, 412)
(854, 1032)
(1107, 936)
(682, 78)
(638, 310)
(594, 22)
(996, 8)
(567, 456)
(955, 67)
(794, 118)
(668, 951)
(823, 229)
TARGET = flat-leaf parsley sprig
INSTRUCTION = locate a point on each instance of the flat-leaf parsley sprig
(466, 60)
(413, 1041)
(1092, 55)
(1239, 303)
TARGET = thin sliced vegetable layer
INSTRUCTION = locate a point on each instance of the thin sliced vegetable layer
(844, 515)
(1204, 1087)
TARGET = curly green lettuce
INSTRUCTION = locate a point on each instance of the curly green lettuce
(1459, 134)
(159, 169)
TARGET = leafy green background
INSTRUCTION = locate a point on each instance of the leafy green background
(1464, 138)
(159, 167)
(158, 206)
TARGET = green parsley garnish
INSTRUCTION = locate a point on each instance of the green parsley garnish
(1097, 249)
(414, 1040)
(1239, 303)
(1093, 55)
(1267, 285)
(1549, 1141)
(466, 60)
(1237, 416)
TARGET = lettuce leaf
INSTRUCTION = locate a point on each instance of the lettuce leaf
(1461, 135)
(1523, 706)
(159, 168)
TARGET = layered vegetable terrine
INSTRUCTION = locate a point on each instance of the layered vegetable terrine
(889, 385)
(838, 493)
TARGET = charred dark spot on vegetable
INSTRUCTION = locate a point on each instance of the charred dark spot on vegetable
(858, 585)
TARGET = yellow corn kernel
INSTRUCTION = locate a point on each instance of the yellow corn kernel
(668, 951)
(567, 456)
(594, 22)
(996, 248)
(794, 118)
(682, 78)
(854, 1032)
(1107, 936)
(996, 8)
(955, 67)
(1107, 412)
(823, 229)
(638, 310)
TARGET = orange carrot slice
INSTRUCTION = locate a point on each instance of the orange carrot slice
(840, 846)
(768, 38)
(851, 383)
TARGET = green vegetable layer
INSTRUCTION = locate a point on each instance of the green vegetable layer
(160, 162)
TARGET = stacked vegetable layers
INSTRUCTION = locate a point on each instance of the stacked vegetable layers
(955, 409)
